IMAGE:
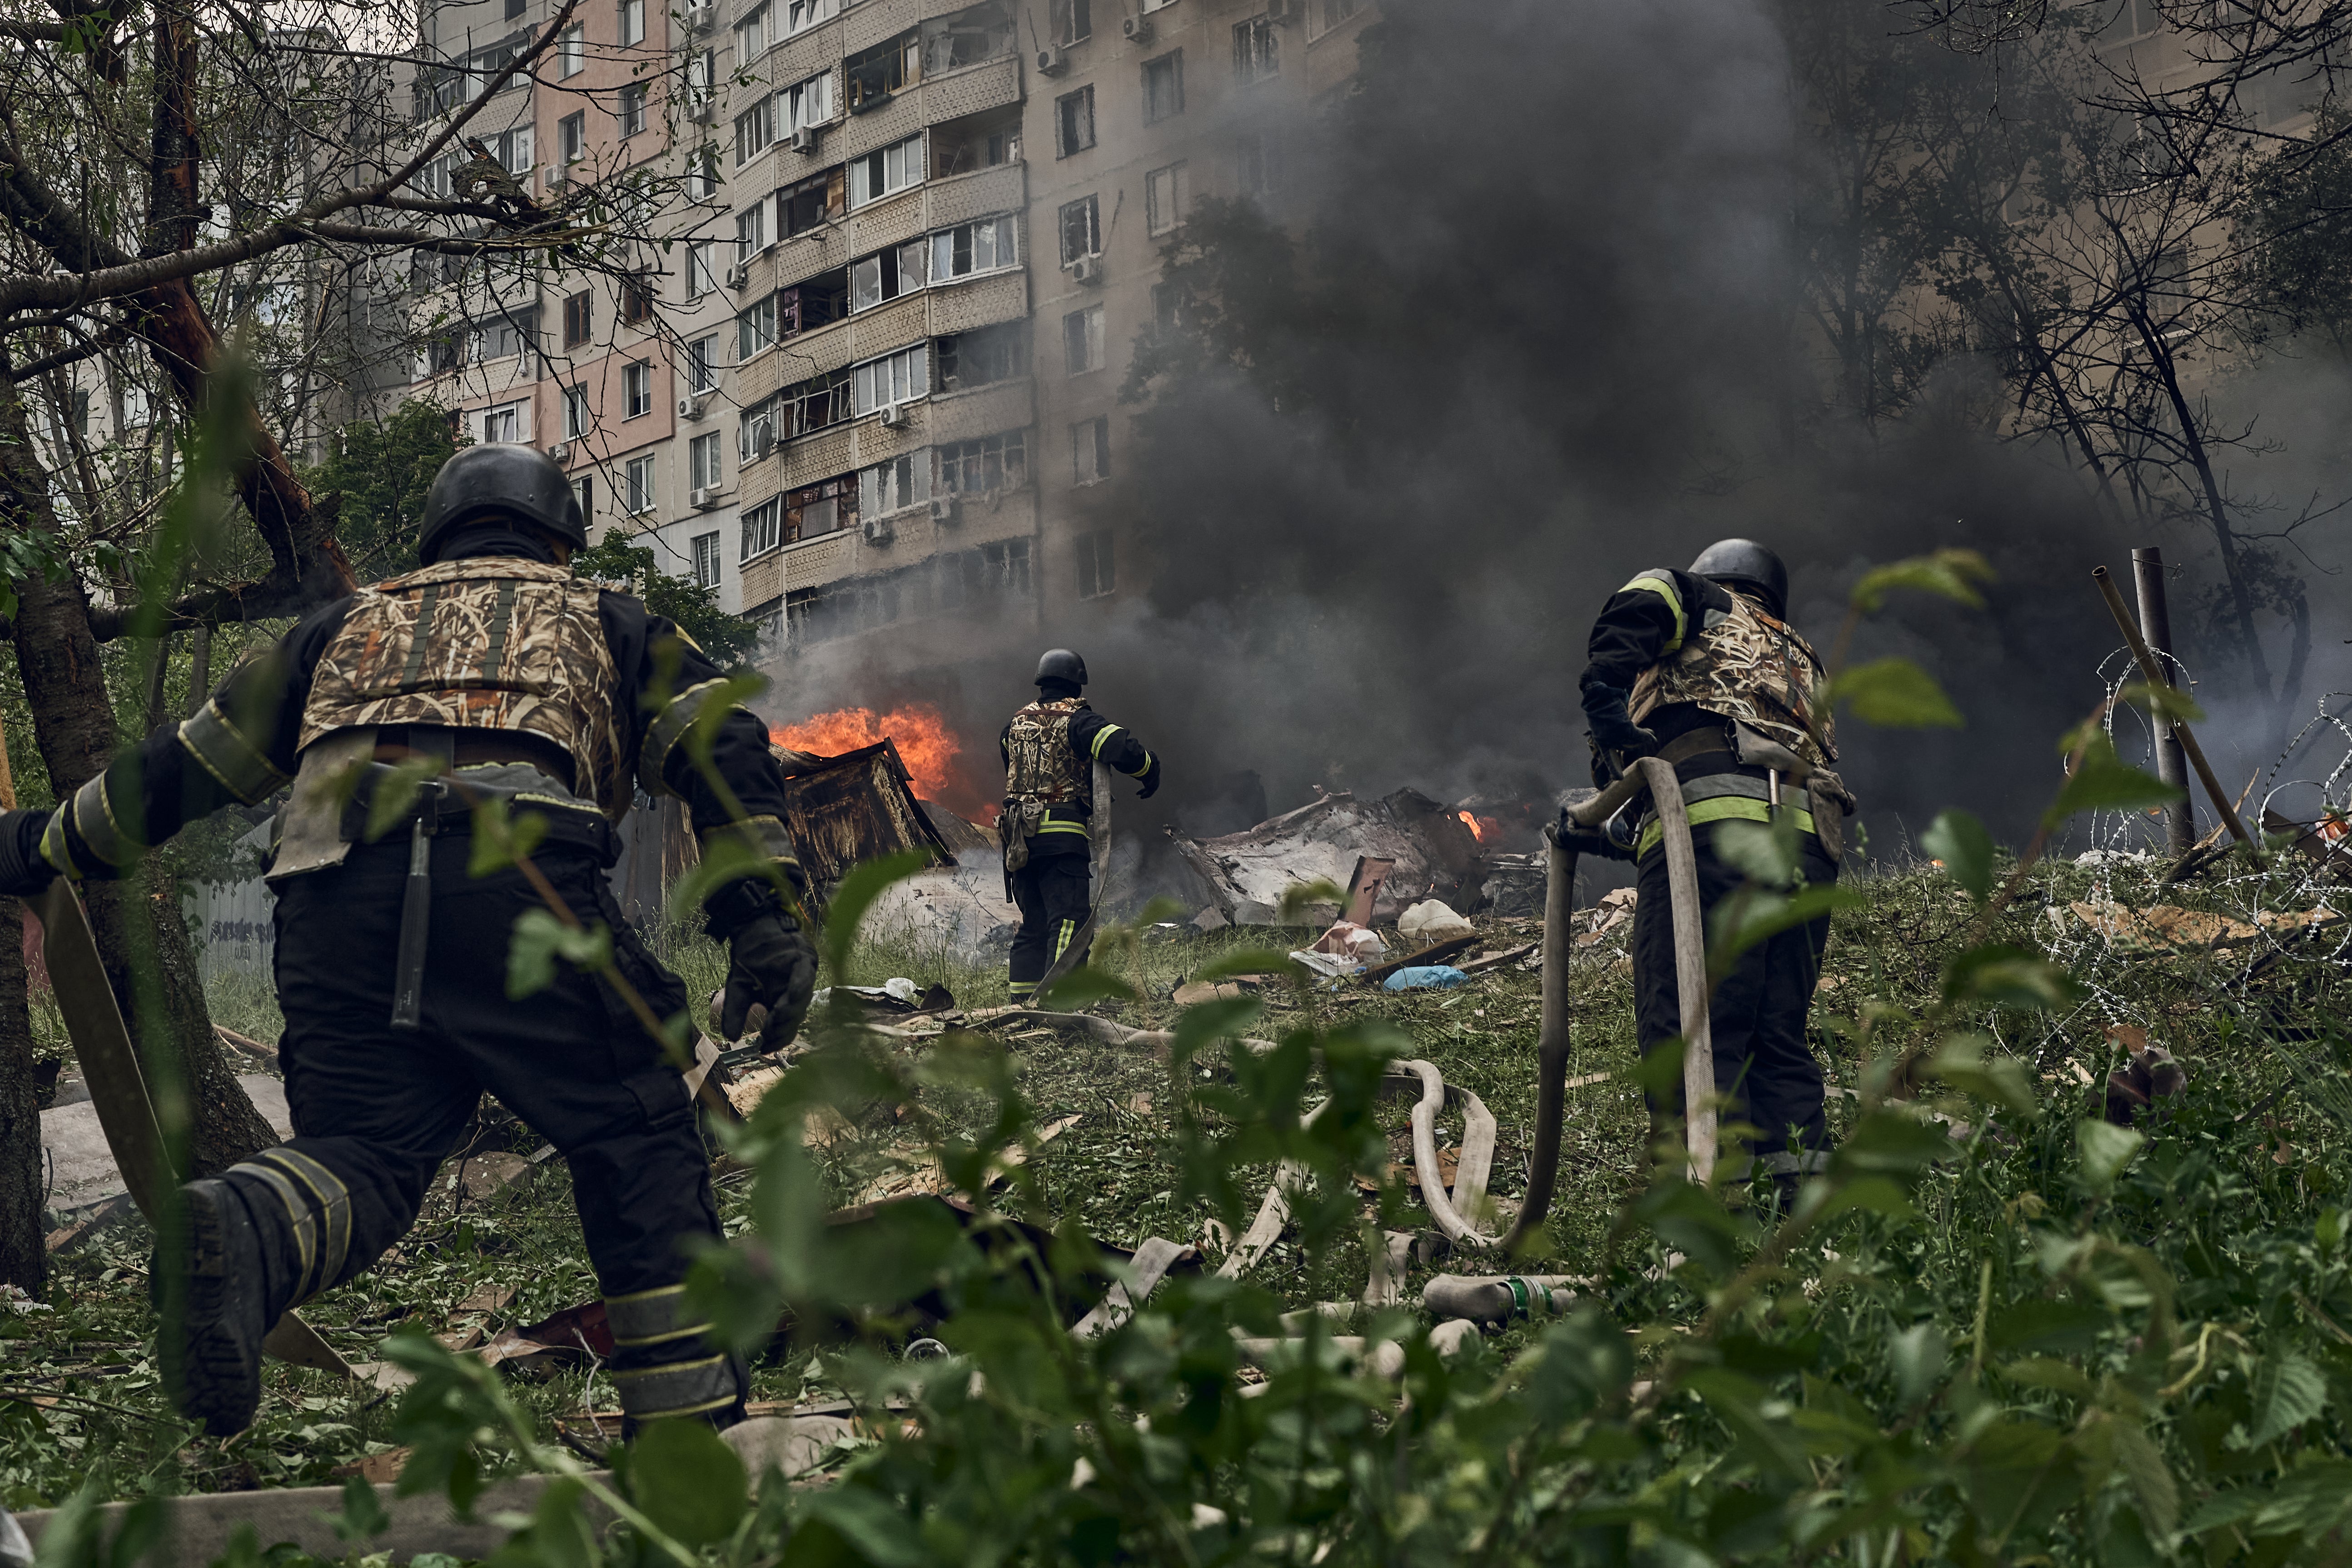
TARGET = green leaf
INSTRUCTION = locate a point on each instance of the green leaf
(688, 1481)
(363, 1515)
(395, 792)
(1918, 1355)
(538, 939)
(2103, 780)
(2288, 1391)
(1952, 574)
(1890, 1143)
(1894, 694)
(1962, 847)
(2104, 1150)
(1084, 985)
(1873, 1194)
(500, 839)
(1300, 896)
(1997, 976)
(1245, 960)
(2169, 703)
(871, 1528)
(1738, 1404)
(1968, 1063)
(867, 881)
(2151, 1479)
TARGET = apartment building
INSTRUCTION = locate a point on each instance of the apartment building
(869, 376)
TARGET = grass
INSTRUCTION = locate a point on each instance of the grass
(79, 1394)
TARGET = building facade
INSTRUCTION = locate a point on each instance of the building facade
(864, 371)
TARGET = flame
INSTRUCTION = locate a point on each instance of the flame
(1481, 828)
(926, 744)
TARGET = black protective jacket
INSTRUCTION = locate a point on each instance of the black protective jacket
(1093, 739)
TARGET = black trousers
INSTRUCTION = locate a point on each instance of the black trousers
(1763, 1065)
(381, 1108)
(1053, 893)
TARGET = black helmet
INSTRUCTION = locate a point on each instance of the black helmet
(521, 484)
(1061, 664)
(1744, 563)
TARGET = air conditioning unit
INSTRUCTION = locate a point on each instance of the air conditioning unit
(805, 140)
(698, 20)
(877, 530)
(946, 510)
(560, 451)
(1053, 60)
(1138, 29)
(702, 113)
(1087, 270)
(691, 405)
(739, 275)
(708, 496)
(895, 416)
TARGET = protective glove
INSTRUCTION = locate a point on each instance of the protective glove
(770, 962)
(1578, 839)
(1612, 724)
(23, 873)
(1151, 780)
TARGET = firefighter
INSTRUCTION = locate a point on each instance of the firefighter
(1049, 750)
(496, 673)
(1701, 669)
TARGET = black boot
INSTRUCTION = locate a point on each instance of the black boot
(210, 1335)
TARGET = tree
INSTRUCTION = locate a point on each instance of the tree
(631, 568)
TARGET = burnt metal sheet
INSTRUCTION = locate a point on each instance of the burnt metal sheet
(857, 806)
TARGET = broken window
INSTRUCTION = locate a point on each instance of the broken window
(754, 129)
(802, 205)
(755, 327)
(1071, 21)
(805, 104)
(991, 463)
(1074, 121)
(1163, 87)
(1097, 568)
(1081, 233)
(815, 510)
(1256, 50)
(1082, 340)
(1090, 450)
(973, 579)
(990, 355)
(816, 303)
(982, 246)
(755, 432)
(886, 172)
(1330, 13)
(816, 403)
(895, 378)
(888, 67)
(902, 483)
(763, 527)
(576, 319)
(978, 33)
(885, 275)
(981, 141)
(1166, 193)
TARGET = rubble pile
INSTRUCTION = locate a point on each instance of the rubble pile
(1433, 854)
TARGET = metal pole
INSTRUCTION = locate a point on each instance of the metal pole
(2171, 763)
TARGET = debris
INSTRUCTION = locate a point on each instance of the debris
(860, 805)
(1328, 965)
(1346, 939)
(1364, 886)
(1486, 960)
(245, 1044)
(920, 1174)
(1424, 977)
(479, 1175)
(1193, 993)
(1432, 854)
(1210, 917)
(1427, 955)
(376, 1470)
(1434, 921)
(2328, 841)
(2149, 1076)
(2171, 928)
(81, 1161)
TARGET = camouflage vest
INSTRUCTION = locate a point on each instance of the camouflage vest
(490, 643)
(1744, 665)
(1041, 767)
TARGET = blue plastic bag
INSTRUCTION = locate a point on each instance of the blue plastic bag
(1426, 976)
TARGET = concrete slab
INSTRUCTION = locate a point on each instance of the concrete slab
(81, 1166)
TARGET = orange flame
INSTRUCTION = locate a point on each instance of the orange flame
(1480, 827)
(926, 744)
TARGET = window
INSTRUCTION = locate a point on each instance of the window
(2133, 20)
(990, 355)
(875, 74)
(902, 483)
(762, 528)
(571, 136)
(1166, 192)
(754, 129)
(895, 271)
(1097, 569)
(575, 412)
(1256, 50)
(1152, 6)
(978, 142)
(637, 389)
(991, 463)
(803, 13)
(632, 21)
(900, 377)
(1167, 307)
(802, 206)
(637, 482)
(513, 150)
(576, 323)
(702, 174)
(500, 339)
(1081, 234)
(981, 246)
(701, 72)
(1257, 165)
(1082, 340)
(583, 489)
(812, 304)
(815, 510)
(701, 268)
(572, 51)
(968, 37)
(702, 471)
(1074, 121)
(629, 109)
(755, 329)
(1163, 87)
(806, 103)
(506, 422)
(705, 547)
(755, 433)
(750, 36)
(886, 171)
(700, 355)
(1090, 450)
(816, 403)
(1072, 21)
(750, 231)
(637, 300)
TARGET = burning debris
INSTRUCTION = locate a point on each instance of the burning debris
(927, 747)
(855, 807)
(1433, 853)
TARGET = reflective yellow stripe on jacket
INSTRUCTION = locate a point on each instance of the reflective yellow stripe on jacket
(1721, 808)
(1664, 588)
